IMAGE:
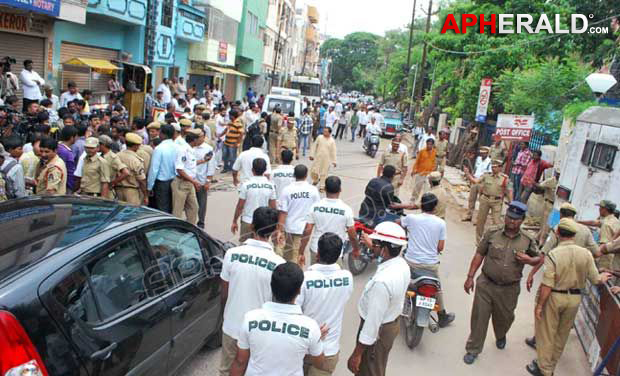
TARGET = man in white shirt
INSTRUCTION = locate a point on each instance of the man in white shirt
(331, 118)
(246, 277)
(244, 161)
(425, 137)
(254, 193)
(274, 339)
(70, 95)
(185, 185)
(203, 152)
(372, 128)
(325, 292)
(339, 109)
(217, 95)
(31, 83)
(482, 165)
(381, 303)
(251, 115)
(165, 89)
(294, 204)
(363, 121)
(330, 214)
(283, 175)
(427, 239)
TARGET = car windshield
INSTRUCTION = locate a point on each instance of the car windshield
(286, 105)
(40, 230)
(391, 115)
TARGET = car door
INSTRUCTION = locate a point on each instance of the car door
(193, 293)
(110, 314)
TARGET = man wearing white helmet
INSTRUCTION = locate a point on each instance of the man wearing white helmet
(381, 302)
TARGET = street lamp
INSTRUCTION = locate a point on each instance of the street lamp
(600, 82)
(415, 76)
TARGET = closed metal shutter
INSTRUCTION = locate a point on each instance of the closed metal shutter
(22, 47)
(98, 83)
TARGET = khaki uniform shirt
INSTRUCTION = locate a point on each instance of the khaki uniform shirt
(53, 178)
(609, 226)
(135, 165)
(583, 238)
(114, 164)
(549, 185)
(94, 172)
(442, 148)
(568, 266)
(213, 130)
(442, 201)
(398, 160)
(493, 185)
(145, 152)
(497, 152)
(288, 138)
(276, 123)
(499, 251)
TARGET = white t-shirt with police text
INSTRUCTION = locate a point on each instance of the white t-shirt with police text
(329, 215)
(257, 191)
(297, 200)
(282, 176)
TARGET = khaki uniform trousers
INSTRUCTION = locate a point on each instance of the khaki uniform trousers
(330, 363)
(553, 330)
(440, 163)
(544, 226)
(375, 358)
(129, 195)
(229, 352)
(184, 200)
(495, 302)
(474, 190)
(273, 150)
(420, 186)
(245, 232)
(494, 205)
(290, 252)
(396, 184)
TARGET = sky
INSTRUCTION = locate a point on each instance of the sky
(341, 17)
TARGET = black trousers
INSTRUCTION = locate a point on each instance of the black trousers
(340, 130)
(201, 196)
(163, 195)
(362, 131)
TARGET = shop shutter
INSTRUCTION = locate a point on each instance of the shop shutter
(98, 83)
(22, 47)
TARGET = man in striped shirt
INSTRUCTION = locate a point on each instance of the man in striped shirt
(232, 140)
(305, 129)
(523, 159)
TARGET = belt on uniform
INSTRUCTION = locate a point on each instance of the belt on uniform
(91, 194)
(549, 201)
(497, 283)
(492, 197)
(568, 291)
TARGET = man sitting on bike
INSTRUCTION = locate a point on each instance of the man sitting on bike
(427, 237)
(379, 196)
(372, 128)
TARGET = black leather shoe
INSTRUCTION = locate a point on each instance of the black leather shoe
(469, 358)
(533, 369)
(445, 319)
(531, 342)
(501, 343)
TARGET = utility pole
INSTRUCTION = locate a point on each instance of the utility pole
(423, 64)
(408, 66)
(277, 46)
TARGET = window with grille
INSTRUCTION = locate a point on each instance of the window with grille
(252, 24)
(167, 13)
(604, 156)
(586, 156)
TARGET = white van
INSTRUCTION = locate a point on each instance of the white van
(287, 104)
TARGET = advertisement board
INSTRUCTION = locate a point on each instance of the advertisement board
(49, 7)
(483, 100)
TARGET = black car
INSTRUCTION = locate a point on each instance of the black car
(94, 287)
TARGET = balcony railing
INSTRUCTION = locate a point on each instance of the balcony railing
(190, 24)
(123, 11)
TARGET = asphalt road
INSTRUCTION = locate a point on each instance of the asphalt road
(439, 353)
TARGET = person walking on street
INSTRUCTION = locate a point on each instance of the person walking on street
(232, 140)
(442, 150)
(284, 174)
(275, 127)
(324, 294)
(132, 189)
(323, 154)
(287, 139)
(331, 118)
(482, 165)
(203, 152)
(68, 135)
(185, 185)
(493, 189)
(294, 205)
(246, 285)
(518, 168)
(364, 118)
(396, 158)
(548, 188)
(609, 225)
(567, 267)
(95, 180)
(254, 193)
(498, 149)
(305, 131)
(502, 252)
(342, 125)
(423, 166)
(243, 163)
(355, 119)
(532, 175)
(52, 180)
(162, 170)
(381, 303)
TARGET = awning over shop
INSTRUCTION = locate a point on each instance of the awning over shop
(226, 70)
(216, 68)
(147, 70)
(98, 65)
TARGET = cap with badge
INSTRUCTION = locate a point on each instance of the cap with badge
(435, 176)
(568, 224)
(607, 205)
(291, 120)
(201, 107)
(91, 142)
(516, 210)
(496, 162)
(105, 140)
(185, 122)
(133, 138)
(154, 125)
(485, 149)
(568, 206)
(196, 131)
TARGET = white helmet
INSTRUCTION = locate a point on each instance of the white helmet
(390, 232)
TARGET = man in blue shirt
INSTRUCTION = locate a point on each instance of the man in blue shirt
(162, 170)
(322, 118)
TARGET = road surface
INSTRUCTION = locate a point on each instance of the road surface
(440, 353)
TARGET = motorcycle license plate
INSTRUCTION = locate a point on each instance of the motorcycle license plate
(424, 302)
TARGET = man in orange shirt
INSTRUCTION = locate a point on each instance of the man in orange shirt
(424, 165)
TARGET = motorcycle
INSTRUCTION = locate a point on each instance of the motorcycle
(371, 144)
(420, 302)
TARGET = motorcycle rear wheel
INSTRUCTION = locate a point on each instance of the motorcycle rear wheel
(357, 265)
(413, 333)
(373, 151)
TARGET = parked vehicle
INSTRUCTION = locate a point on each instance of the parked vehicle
(286, 102)
(93, 287)
(419, 303)
(371, 144)
(392, 122)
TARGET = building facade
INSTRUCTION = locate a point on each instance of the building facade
(250, 46)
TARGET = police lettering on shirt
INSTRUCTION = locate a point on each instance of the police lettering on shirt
(253, 260)
(273, 326)
(328, 210)
(329, 215)
(327, 283)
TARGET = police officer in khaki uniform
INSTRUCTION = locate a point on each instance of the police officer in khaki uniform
(118, 171)
(547, 187)
(442, 150)
(274, 132)
(95, 171)
(434, 179)
(502, 252)
(493, 188)
(52, 180)
(567, 267)
(132, 189)
(287, 140)
(609, 225)
(396, 158)
(153, 129)
(145, 152)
